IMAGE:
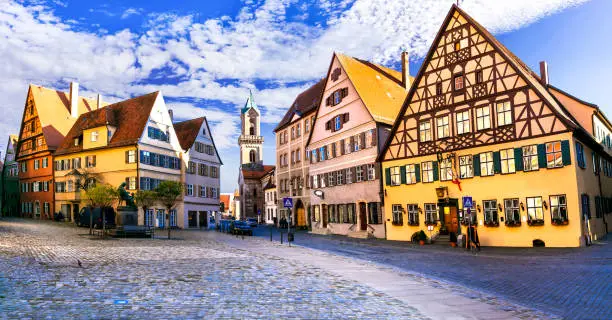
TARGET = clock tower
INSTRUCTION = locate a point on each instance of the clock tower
(250, 140)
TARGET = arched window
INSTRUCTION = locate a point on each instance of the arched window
(252, 156)
(252, 130)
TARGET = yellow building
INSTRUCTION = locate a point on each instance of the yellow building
(132, 141)
(479, 124)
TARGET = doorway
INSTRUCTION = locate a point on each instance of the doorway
(451, 219)
(37, 209)
(75, 211)
(203, 219)
(324, 218)
(301, 214)
(363, 216)
(192, 219)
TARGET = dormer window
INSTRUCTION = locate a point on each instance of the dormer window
(76, 142)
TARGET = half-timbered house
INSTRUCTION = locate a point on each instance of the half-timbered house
(479, 123)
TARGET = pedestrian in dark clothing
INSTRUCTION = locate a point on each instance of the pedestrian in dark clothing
(473, 236)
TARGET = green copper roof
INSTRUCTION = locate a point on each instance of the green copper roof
(250, 103)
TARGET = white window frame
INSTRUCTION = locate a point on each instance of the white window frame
(483, 118)
(463, 122)
(507, 161)
(504, 113)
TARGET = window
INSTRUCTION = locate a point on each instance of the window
(558, 209)
(427, 171)
(374, 213)
(337, 123)
(331, 179)
(349, 175)
(486, 164)
(131, 156)
(446, 170)
(45, 163)
(490, 212)
(507, 161)
(46, 207)
(580, 155)
(24, 166)
(395, 176)
(398, 215)
(214, 172)
(189, 190)
(586, 207)
(306, 126)
(483, 118)
(322, 153)
(478, 76)
(337, 97)
(595, 158)
(504, 113)
(439, 89)
(554, 158)
(466, 167)
(359, 173)
(413, 214)
(202, 191)
(315, 181)
(94, 136)
(90, 161)
(411, 176)
(36, 164)
(340, 177)
(530, 158)
(431, 213)
(463, 122)
(371, 172)
(298, 130)
(458, 82)
(132, 183)
(457, 45)
(443, 127)
(356, 143)
(424, 131)
(511, 208)
(534, 209)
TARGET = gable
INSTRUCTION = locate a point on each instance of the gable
(467, 69)
(31, 135)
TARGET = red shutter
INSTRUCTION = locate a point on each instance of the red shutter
(94, 161)
(127, 157)
(345, 117)
(328, 101)
(374, 137)
(327, 125)
(127, 183)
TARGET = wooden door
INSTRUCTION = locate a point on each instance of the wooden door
(363, 216)
(301, 217)
(324, 218)
(450, 220)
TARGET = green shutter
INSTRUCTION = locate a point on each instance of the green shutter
(417, 172)
(518, 159)
(403, 174)
(388, 176)
(542, 156)
(436, 175)
(565, 153)
(496, 162)
(476, 163)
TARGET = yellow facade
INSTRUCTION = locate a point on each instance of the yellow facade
(111, 167)
(543, 182)
(95, 138)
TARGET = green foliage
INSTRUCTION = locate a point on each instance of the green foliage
(101, 195)
(168, 193)
(421, 236)
(145, 198)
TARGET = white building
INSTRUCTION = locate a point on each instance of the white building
(201, 174)
(270, 198)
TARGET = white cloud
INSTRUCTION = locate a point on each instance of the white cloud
(219, 59)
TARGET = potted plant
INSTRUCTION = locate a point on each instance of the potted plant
(453, 239)
(559, 221)
(443, 230)
(422, 237)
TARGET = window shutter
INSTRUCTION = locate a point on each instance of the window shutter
(565, 153)
(377, 169)
(345, 117)
(344, 92)
(328, 125)
(362, 141)
(352, 144)
(436, 174)
(137, 186)
(542, 155)
(476, 162)
(403, 174)
(374, 137)
(126, 157)
(127, 183)
(342, 147)
(518, 159)
(94, 161)
(417, 172)
(388, 176)
(496, 162)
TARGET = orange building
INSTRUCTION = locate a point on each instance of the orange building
(48, 115)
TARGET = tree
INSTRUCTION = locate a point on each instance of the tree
(145, 199)
(100, 196)
(168, 193)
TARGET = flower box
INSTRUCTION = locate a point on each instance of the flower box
(510, 223)
(560, 222)
(413, 223)
(535, 222)
(430, 223)
(491, 223)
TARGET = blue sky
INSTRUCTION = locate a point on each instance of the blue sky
(205, 55)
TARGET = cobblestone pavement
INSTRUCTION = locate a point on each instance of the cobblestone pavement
(570, 283)
(201, 275)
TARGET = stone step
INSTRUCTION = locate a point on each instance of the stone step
(360, 235)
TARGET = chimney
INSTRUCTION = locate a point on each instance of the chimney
(405, 70)
(74, 99)
(99, 105)
(544, 72)
(171, 115)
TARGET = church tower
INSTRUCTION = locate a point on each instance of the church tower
(250, 140)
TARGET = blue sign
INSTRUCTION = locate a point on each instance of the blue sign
(467, 202)
(288, 202)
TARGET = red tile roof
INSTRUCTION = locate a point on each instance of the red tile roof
(255, 173)
(304, 103)
(129, 117)
(187, 132)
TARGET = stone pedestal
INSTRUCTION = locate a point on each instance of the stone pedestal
(127, 216)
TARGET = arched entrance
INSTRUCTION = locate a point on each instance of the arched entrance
(300, 214)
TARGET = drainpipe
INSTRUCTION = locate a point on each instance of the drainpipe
(603, 214)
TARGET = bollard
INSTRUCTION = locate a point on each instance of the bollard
(281, 238)
(270, 234)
